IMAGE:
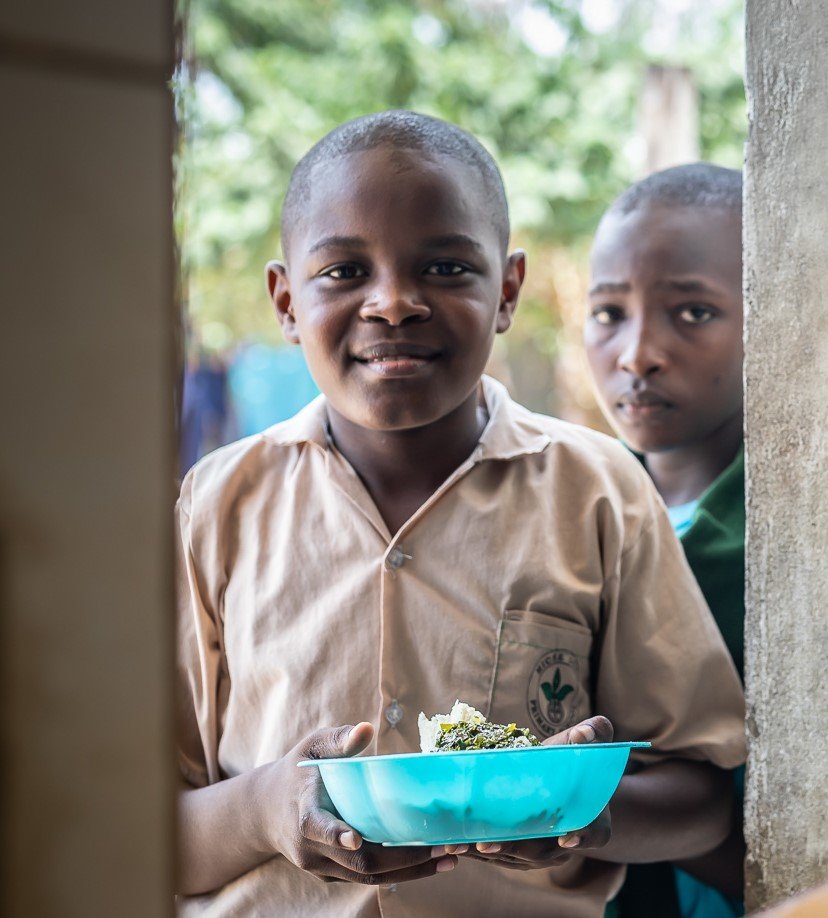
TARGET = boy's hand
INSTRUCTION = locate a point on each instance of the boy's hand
(543, 852)
(311, 836)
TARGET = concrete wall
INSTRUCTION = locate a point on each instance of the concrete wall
(86, 459)
(786, 277)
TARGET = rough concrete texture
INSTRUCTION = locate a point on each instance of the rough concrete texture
(786, 375)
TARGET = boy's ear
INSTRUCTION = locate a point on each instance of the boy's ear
(279, 290)
(512, 282)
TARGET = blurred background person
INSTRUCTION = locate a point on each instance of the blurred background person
(207, 420)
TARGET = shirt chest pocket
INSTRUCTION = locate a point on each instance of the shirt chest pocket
(541, 676)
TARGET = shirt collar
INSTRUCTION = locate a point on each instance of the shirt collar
(511, 431)
(310, 425)
(727, 489)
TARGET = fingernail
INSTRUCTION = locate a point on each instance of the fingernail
(488, 847)
(348, 840)
(446, 864)
(439, 851)
(350, 735)
(570, 841)
(588, 732)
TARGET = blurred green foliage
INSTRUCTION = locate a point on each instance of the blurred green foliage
(552, 95)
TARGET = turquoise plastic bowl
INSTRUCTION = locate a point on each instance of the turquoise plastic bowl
(444, 798)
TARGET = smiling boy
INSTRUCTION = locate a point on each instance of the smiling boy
(664, 342)
(412, 537)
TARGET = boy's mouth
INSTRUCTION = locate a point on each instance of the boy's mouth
(643, 404)
(396, 358)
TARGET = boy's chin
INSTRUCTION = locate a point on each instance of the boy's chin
(397, 421)
(645, 441)
(398, 406)
(654, 445)
(397, 415)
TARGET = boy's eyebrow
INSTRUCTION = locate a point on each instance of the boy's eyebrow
(454, 239)
(682, 286)
(608, 287)
(340, 242)
(687, 286)
(435, 242)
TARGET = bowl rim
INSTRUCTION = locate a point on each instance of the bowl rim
(465, 753)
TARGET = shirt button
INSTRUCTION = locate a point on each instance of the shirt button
(394, 713)
(396, 558)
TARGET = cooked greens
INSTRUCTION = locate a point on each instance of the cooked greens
(483, 736)
(466, 729)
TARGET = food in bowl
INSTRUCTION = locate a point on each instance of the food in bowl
(416, 798)
(491, 782)
(465, 728)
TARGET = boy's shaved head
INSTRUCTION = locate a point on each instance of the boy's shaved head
(693, 185)
(402, 130)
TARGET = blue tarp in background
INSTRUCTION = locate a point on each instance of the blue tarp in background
(224, 399)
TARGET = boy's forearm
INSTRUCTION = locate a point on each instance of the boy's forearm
(670, 811)
(221, 830)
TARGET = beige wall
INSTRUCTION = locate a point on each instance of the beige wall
(786, 277)
(86, 461)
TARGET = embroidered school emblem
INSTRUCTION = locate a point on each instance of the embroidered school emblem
(553, 692)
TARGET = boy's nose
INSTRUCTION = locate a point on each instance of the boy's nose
(641, 355)
(394, 304)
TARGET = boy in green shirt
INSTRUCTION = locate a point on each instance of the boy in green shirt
(664, 341)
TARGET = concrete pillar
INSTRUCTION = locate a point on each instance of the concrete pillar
(669, 118)
(86, 459)
(786, 374)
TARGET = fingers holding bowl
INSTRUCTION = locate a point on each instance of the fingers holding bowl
(542, 852)
(596, 835)
(375, 873)
(520, 855)
(596, 729)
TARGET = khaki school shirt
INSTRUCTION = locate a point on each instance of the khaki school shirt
(547, 551)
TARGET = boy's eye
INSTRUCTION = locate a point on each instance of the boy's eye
(607, 315)
(344, 272)
(446, 269)
(695, 314)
